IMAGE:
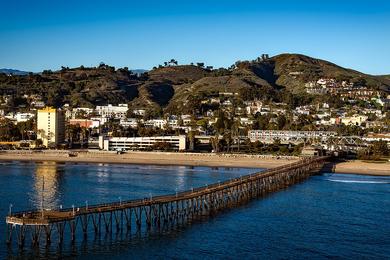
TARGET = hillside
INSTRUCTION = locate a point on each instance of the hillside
(292, 71)
(180, 89)
(78, 86)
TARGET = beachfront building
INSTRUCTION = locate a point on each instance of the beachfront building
(50, 126)
(140, 143)
(269, 136)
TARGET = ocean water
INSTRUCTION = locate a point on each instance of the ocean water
(329, 215)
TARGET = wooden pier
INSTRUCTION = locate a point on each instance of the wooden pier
(154, 212)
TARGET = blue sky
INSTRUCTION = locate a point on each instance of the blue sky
(38, 35)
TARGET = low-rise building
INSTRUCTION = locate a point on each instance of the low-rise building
(129, 122)
(140, 143)
(23, 117)
(158, 123)
(19, 117)
(354, 120)
(269, 136)
(86, 123)
(110, 111)
(139, 112)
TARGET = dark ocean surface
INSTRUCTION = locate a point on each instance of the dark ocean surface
(329, 215)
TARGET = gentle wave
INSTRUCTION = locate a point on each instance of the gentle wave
(356, 181)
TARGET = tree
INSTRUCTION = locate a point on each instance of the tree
(236, 133)
(191, 137)
(8, 131)
(380, 148)
(164, 146)
(38, 142)
(173, 62)
(84, 136)
(375, 151)
(227, 138)
(222, 123)
(215, 143)
(25, 128)
(281, 122)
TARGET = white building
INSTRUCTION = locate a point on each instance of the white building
(173, 123)
(253, 107)
(140, 143)
(303, 110)
(129, 122)
(102, 120)
(139, 112)
(38, 104)
(23, 117)
(354, 120)
(269, 136)
(246, 121)
(378, 137)
(110, 111)
(158, 123)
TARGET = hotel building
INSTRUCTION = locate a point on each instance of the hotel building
(50, 126)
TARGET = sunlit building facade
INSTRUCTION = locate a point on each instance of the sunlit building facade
(50, 126)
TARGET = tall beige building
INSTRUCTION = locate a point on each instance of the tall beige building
(50, 126)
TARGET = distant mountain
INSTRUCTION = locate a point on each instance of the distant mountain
(13, 72)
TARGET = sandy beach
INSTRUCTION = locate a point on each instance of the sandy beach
(157, 158)
(190, 159)
(366, 168)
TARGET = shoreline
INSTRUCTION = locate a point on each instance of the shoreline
(189, 159)
(363, 168)
(154, 158)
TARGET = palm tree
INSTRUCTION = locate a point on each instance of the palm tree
(215, 143)
(228, 139)
(236, 132)
(84, 136)
(191, 137)
(41, 134)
